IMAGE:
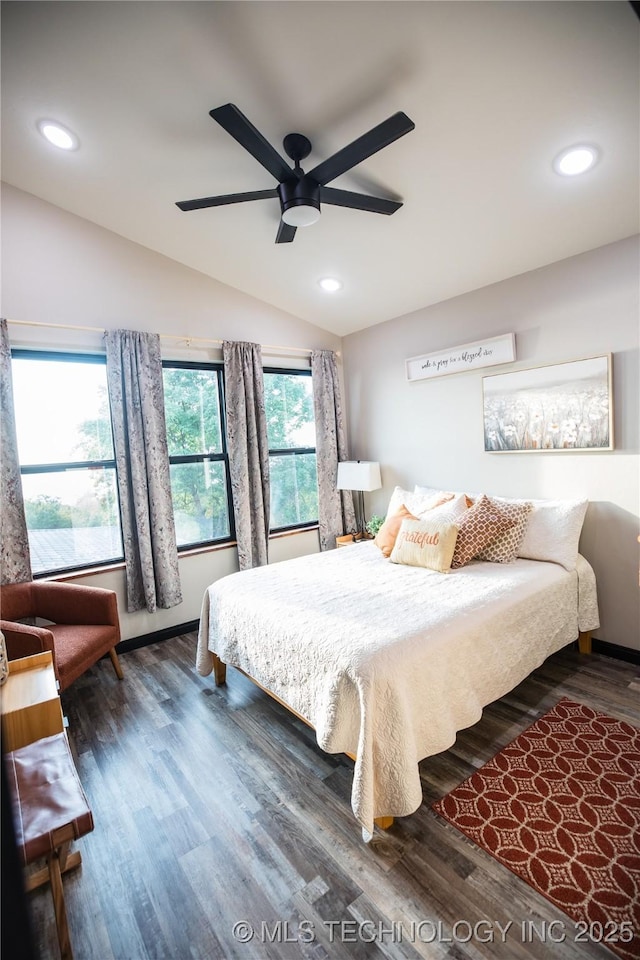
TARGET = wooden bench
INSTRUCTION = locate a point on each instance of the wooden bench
(50, 810)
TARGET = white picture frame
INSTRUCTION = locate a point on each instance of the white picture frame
(557, 407)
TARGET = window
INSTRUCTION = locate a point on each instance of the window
(292, 448)
(67, 463)
(194, 405)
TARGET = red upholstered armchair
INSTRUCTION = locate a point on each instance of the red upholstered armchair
(83, 625)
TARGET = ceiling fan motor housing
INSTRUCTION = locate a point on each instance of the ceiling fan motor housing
(298, 192)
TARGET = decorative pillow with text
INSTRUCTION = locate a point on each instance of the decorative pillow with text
(425, 543)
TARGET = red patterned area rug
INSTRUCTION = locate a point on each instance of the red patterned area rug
(560, 807)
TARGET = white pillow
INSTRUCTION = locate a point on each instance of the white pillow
(471, 497)
(426, 491)
(416, 503)
(553, 531)
(398, 497)
(452, 511)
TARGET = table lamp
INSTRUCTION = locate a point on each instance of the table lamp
(359, 475)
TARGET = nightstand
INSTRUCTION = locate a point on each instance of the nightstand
(351, 538)
(31, 706)
(345, 541)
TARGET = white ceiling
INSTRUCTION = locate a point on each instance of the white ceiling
(496, 90)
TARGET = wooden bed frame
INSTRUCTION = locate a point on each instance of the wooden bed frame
(220, 676)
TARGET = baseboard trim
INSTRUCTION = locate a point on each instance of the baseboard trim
(168, 633)
(616, 651)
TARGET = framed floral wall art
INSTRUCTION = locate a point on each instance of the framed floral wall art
(557, 407)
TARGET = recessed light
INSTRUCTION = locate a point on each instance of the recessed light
(575, 160)
(330, 284)
(58, 135)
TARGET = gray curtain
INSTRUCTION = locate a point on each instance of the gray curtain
(335, 507)
(136, 398)
(15, 559)
(248, 450)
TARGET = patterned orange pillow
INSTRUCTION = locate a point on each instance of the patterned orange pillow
(505, 548)
(386, 536)
(483, 523)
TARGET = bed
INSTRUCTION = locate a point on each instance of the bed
(387, 661)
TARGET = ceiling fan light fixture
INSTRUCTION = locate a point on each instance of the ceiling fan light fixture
(301, 214)
(299, 201)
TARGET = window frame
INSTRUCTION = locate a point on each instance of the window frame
(291, 451)
(32, 469)
(222, 457)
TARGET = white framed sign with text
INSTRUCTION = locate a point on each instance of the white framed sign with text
(468, 356)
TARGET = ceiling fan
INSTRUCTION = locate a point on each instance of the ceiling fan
(302, 193)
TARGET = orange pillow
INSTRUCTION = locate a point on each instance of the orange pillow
(386, 536)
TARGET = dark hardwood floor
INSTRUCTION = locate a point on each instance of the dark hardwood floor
(215, 807)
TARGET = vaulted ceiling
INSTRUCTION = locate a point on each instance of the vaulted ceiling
(495, 89)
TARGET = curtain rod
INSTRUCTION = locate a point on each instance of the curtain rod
(163, 336)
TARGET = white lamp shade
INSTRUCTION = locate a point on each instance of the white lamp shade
(358, 475)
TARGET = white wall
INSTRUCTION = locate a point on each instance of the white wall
(196, 573)
(430, 431)
(60, 269)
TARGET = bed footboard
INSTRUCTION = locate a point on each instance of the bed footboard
(584, 642)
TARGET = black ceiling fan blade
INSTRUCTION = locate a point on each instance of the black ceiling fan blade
(242, 130)
(369, 143)
(358, 201)
(286, 233)
(228, 198)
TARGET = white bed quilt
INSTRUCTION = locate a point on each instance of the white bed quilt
(386, 661)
